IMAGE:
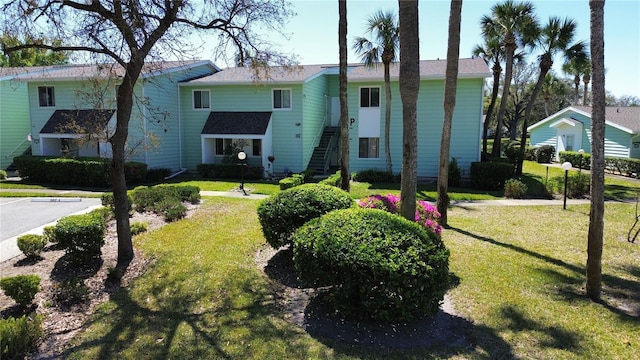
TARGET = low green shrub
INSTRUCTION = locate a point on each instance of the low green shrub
(374, 176)
(49, 235)
(577, 161)
(455, 173)
(291, 181)
(515, 189)
(380, 266)
(138, 227)
(230, 171)
(512, 152)
(490, 175)
(577, 185)
(31, 245)
(19, 336)
(70, 291)
(81, 236)
(170, 209)
(332, 180)
(281, 214)
(109, 201)
(544, 154)
(148, 198)
(85, 171)
(21, 288)
(157, 174)
(3, 174)
(308, 175)
(625, 166)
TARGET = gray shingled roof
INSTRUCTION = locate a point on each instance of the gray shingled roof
(75, 71)
(77, 121)
(237, 123)
(429, 69)
(626, 116)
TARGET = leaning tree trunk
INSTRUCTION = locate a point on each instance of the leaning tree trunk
(510, 48)
(344, 112)
(545, 64)
(387, 117)
(596, 212)
(450, 87)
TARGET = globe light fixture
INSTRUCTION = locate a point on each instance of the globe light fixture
(242, 156)
(566, 166)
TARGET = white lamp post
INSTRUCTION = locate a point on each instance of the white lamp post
(566, 166)
(581, 152)
(242, 156)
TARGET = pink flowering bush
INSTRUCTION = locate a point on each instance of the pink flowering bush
(426, 214)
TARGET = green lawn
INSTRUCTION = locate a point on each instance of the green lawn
(520, 290)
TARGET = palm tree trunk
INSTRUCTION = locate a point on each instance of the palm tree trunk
(450, 88)
(585, 94)
(344, 111)
(409, 88)
(387, 117)
(596, 212)
(494, 96)
(576, 85)
(545, 65)
(509, 51)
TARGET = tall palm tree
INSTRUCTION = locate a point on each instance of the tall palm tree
(577, 66)
(409, 88)
(382, 48)
(450, 87)
(492, 53)
(556, 36)
(596, 212)
(344, 111)
(551, 88)
(516, 25)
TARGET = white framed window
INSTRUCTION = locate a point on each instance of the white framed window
(201, 99)
(369, 97)
(46, 96)
(282, 99)
(368, 148)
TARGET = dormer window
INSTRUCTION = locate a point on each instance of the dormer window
(46, 96)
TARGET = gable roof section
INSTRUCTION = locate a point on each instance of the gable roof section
(77, 121)
(429, 69)
(625, 118)
(278, 74)
(237, 123)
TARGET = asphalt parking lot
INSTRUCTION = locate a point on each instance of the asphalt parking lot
(29, 215)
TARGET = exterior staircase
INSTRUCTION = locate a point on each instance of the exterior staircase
(320, 157)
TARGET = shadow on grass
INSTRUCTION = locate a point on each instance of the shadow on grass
(550, 336)
(535, 187)
(615, 287)
(619, 192)
(171, 323)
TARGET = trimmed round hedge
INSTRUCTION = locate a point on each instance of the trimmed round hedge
(381, 266)
(281, 214)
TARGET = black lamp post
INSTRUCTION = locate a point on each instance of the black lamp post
(242, 156)
(566, 166)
